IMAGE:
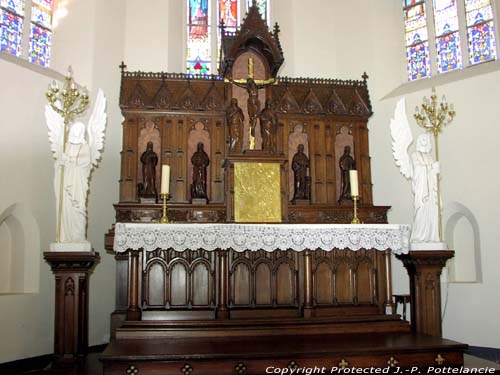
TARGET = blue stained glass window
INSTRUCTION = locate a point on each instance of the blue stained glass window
(14, 6)
(449, 55)
(448, 49)
(11, 27)
(480, 31)
(418, 61)
(41, 16)
(482, 46)
(417, 45)
(40, 43)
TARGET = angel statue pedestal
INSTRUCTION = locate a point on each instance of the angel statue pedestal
(424, 269)
(72, 270)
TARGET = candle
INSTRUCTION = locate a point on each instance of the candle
(165, 179)
(353, 178)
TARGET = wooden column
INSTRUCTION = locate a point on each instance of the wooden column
(424, 269)
(222, 309)
(308, 284)
(134, 311)
(72, 272)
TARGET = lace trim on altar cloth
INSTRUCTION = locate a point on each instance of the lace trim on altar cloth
(268, 237)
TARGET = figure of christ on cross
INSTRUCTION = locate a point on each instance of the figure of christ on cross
(253, 104)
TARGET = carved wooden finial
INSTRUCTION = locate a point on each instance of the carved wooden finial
(365, 77)
(122, 66)
(276, 30)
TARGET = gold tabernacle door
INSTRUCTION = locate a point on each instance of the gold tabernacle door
(257, 192)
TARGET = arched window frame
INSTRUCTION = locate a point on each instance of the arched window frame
(462, 31)
(36, 50)
(214, 29)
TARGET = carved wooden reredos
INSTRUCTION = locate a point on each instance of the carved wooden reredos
(176, 111)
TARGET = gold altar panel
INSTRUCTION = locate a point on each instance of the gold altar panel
(257, 192)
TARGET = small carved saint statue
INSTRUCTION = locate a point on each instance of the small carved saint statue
(200, 163)
(268, 128)
(302, 182)
(149, 161)
(346, 163)
(235, 120)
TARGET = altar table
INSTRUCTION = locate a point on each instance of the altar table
(269, 237)
(301, 280)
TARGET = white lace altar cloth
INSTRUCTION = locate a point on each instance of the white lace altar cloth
(268, 237)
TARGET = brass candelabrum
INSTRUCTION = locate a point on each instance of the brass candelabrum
(69, 102)
(433, 117)
(355, 218)
(164, 217)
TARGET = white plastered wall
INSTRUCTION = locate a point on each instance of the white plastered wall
(90, 39)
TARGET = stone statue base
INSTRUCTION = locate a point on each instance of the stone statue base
(70, 246)
(428, 246)
(199, 201)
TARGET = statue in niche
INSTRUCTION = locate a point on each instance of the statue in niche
(302, 182)
(269, 128)
(235, 121)
(346, 163)
(200, 163)
(149, 161)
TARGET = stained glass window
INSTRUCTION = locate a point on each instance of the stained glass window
(40, 32)
(228, 13)
(204, 37)
(263, 8)
(417, 45)
(480, 31)
(11, 26)
(13, 6)
(448, 50)
(40, 43)
(199, 56)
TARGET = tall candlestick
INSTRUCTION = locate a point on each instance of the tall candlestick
(165, 179)
(353, 177)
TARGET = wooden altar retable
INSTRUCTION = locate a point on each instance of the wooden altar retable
(235, 302)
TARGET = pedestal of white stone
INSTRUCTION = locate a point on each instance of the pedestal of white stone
(428, 246)
(70, 246)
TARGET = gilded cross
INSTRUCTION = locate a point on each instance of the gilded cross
(392, 362)
(440, 360)
(343, 363)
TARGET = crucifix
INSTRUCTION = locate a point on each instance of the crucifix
(253, 104)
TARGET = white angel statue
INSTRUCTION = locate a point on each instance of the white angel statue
(74, 164)
(423, 172)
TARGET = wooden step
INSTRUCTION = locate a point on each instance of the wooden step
(253, 355)
(251, 327)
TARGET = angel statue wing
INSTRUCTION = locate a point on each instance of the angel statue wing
(401, 139)
(96, 127)
(55, 123)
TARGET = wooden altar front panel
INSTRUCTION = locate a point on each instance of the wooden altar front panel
(260, 284)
